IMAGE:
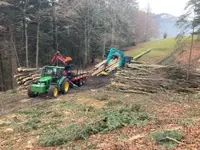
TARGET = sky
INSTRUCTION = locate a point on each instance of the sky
(173, 7)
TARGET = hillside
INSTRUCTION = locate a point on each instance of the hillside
(161, 49)
(167, 49)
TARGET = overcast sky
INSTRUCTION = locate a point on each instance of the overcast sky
(173, 7)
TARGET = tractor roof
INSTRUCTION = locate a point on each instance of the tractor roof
(57, 67)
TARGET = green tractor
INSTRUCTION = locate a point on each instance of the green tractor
(52, 82)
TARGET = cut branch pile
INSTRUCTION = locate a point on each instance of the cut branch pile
(144, 79)
(26, 76)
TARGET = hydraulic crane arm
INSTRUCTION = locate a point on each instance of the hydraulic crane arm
(58, 56)
(114, 51)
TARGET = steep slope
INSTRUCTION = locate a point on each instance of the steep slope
(161, 49)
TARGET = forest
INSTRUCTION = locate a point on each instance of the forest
(31, 31)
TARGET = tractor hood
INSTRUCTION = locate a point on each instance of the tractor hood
(46, 78)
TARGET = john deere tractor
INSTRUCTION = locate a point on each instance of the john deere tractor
(52, 82)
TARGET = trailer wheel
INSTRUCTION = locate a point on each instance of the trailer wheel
(80, 82)
(84, 80)
(31, 94)
(53, 91)
(65, 86)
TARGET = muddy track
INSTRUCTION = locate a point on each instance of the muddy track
(10, 102)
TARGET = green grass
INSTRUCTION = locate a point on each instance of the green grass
(161, 48)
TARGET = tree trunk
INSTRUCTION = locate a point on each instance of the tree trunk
(104, 44)
(85, 44)
(38, 37)
(12, 56)
(1, 74)
(55, 44)
(26, 33)
(37, 44)
(190, 56)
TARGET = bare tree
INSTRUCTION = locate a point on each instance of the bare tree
(38, 33)
(146, 26)
(26, 31)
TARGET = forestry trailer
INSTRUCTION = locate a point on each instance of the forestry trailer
(57, 79)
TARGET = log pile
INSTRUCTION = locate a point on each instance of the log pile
(113, 64)
(26, 76)
(145, 79)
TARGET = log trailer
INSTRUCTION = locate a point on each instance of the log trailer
(57, 79)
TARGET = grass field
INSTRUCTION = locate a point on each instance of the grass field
(161, 49)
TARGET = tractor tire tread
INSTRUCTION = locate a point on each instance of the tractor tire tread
(63, 87)
(51, 90)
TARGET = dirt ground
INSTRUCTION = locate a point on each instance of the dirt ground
(12, 100)
(169, 111)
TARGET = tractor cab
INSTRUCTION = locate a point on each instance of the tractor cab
(54, 72)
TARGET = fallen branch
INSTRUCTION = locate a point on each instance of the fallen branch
(174, 140)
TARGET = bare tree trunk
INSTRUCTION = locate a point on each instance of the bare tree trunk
(26, 33)
(190, 56)
(146, 31)
(13, 60)
(38, 37)
(55, 42)
(37, 44)
(85, 44)
(1, 73)
(104, 44)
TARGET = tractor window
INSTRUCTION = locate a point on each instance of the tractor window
(54, 72)
(48, 72)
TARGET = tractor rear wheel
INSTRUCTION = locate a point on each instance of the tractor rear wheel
(65, 86)
(53, 91)
(31, 94)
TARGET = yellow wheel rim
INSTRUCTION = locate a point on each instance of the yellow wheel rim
(66, 86)
(55, 92)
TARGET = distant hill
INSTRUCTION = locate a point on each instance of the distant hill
(167, 24)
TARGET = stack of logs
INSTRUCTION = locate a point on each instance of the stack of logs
(26, 76)
(113, 64)
(145, 79)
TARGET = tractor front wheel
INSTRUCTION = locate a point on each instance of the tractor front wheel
(65, 86)
(53, 92)
(31, 94)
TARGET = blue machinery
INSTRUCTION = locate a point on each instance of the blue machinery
(123, 59)
(114, 51)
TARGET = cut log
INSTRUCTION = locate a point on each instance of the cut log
(153, 79)
(18, 75)
(22, 77)
(100, 64)
(28, 82)
(27, 79)
(35, 75)
(142, 54)
(112, 63)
